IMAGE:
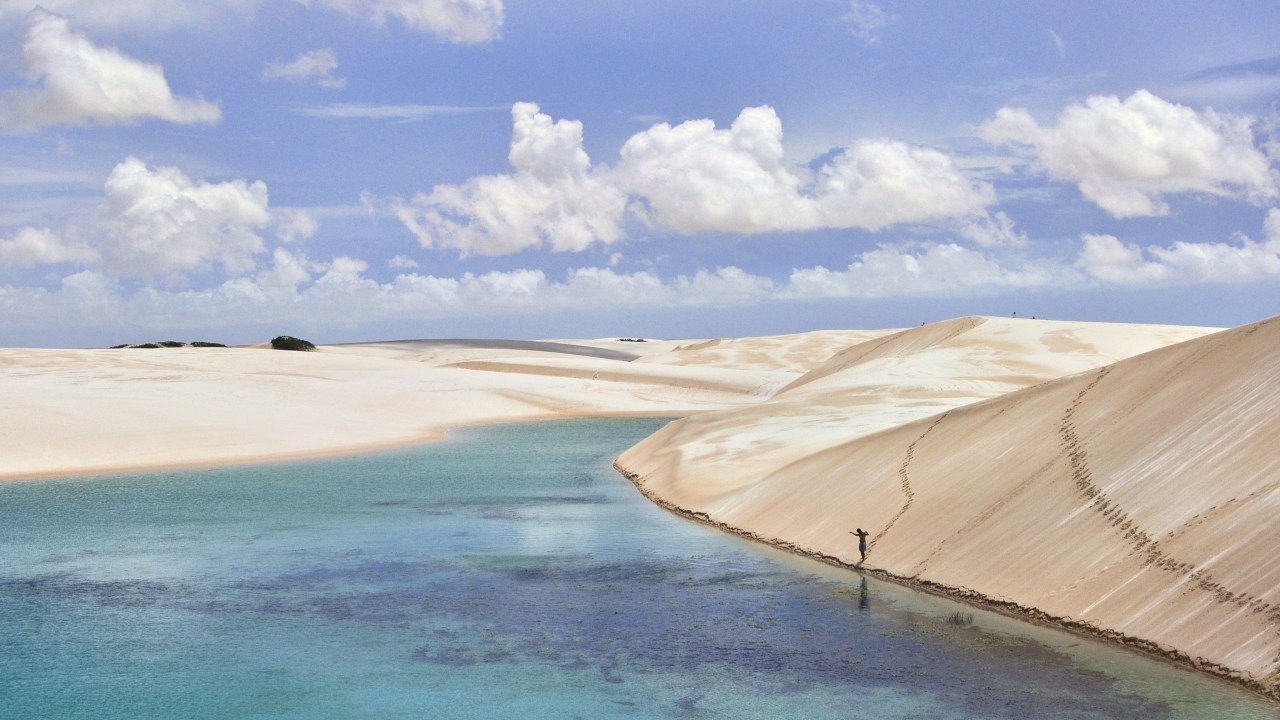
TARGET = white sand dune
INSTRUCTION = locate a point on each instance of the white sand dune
(1122, 479)
(442, 351)
(1137, 500)
(797, 353)
(887, 382)
(760, 384)
(75, 411)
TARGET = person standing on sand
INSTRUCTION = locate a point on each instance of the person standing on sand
(862, 543)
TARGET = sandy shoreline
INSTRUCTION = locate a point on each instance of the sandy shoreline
(1111, 479)
(303, 456)
(71, 412)
(971, 597)
(1133, 501)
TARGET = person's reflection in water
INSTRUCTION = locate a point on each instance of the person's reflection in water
(864, 603)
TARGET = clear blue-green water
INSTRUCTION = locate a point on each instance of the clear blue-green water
(508, 573)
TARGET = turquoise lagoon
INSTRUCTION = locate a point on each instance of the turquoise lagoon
(506, 573)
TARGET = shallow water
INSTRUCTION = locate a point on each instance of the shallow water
(506, 573)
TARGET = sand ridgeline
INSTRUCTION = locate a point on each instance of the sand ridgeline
(85, 411)
(1112, 477)
(1136, 500)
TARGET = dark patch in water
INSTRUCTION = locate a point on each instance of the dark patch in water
(688, 706)
(71, 587)
(454, 656)
(728, 616)
(774, 630)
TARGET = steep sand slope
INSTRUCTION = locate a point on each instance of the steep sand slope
(887, 382)
(1137, 500)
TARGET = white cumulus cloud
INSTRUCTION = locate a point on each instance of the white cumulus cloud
(78, 82)
(339, 294)
(30, 247)
(603, 287)
(992, 230)
(723, 286)
(1124, 155)
(1108, 259)
(553, 198)
(878, 183)
(142, 14)
(294, 225)
(1105, 258)
(459, 21)
(694, 177)
(288, 270)
(936, 268)
(313, 66)
(159, 222)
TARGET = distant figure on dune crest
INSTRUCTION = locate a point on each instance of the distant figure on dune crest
(862, 543)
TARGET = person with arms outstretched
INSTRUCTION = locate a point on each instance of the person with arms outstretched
(862, 543)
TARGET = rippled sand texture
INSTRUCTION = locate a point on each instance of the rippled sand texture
(1138, 498)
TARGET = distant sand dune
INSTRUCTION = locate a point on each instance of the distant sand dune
(75, 411)
(743, 382)
(428, 348)
(796, 353)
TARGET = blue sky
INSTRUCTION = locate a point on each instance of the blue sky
(341, 170)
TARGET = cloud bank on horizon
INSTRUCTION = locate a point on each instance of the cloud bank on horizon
(420, 166)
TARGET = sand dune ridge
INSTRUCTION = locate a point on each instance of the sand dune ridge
(1135, 500)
